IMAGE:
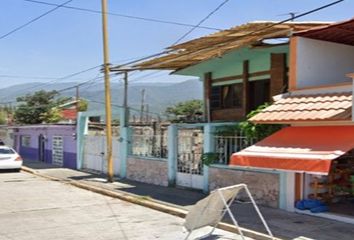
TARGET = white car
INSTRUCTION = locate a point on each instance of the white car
(9, 158)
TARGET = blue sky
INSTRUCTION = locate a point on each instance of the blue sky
(68, 41)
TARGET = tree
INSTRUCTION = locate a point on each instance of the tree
(190, 111)
(52, 116)
(83, 105)
(37, 108)
(2, 117)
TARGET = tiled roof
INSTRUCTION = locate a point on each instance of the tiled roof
(69, 114)
(319, 107)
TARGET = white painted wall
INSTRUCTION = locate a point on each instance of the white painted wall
(322, 63)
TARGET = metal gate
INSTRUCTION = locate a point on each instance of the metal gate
(189, 164)
(95, 149)
(57, 150)
(94, 154)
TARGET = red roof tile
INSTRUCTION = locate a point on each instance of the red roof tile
(69, 114)
(336, 106)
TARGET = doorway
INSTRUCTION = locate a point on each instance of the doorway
(41, 148)
(189, 163)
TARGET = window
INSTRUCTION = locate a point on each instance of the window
(258, 93)
(6, 151)
(57, 150)
(26, 141)
(215, 97)
(228, 96)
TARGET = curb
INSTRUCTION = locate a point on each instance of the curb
(148, 203)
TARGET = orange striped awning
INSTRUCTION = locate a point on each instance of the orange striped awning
(299, 149)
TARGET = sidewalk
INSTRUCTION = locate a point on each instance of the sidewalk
(283, 224)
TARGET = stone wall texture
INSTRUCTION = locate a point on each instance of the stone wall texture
(264, 187)
(147, 171)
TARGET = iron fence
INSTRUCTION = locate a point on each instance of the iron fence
(148, 145)
(225, 146)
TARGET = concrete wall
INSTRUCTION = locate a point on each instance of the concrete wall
(322, 63)
(264, 187)
(154, 171)
(31, 152)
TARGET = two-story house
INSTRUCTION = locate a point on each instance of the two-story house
(314, 150)
(241, 68)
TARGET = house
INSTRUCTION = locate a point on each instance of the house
(314, 151)
(68, 110)
(241, 68)
(53, 144)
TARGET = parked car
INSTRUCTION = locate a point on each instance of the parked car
(9, 158)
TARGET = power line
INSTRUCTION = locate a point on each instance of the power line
(295, 17)
(34, 19)
(23, 76)
(124, 15)
(201, 21)
(78, 85)
(55, 80)
(270, 26)
(116, 105)
(184, 35)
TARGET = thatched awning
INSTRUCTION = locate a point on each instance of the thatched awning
(251, 34)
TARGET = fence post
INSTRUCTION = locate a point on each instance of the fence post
(125, 140)
(172, 153)
(208, 146)
(81, 130)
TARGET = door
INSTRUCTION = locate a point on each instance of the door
(41, 148)
(189, 165)
(94, 154)
(58, 150)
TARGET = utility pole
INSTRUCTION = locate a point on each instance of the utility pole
(106, 66)
(147, 113)
(142, 105)
(125, 101)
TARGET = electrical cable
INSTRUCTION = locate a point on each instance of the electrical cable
(33, 20)
(124, 15)
(274, 24)
(55, 80)
(200, 22)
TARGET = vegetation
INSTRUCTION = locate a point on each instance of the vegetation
(83, 105)
(258, 131)
(36, 108)
(5, 114)
(251, 131)
(209, 158)
(188, 111)
(2, 117)
(42, 107)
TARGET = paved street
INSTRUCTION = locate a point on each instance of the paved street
(285, 225)
(36, 208)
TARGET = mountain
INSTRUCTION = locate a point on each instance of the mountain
(158, 95)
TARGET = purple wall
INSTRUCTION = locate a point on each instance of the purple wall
(31, 152)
